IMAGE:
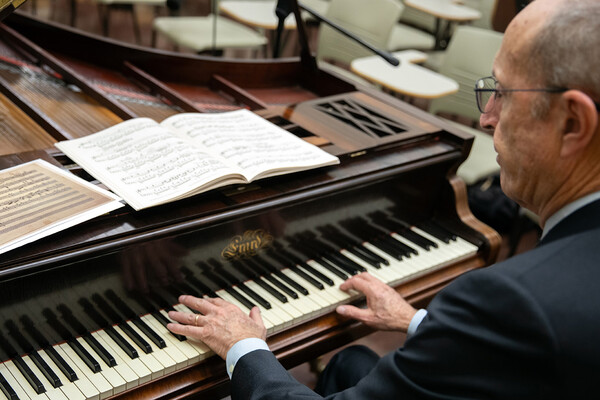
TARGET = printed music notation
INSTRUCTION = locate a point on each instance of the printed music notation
(149, 163)
(38, 199)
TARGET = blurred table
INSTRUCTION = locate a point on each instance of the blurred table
(446, 13)
(407, 78)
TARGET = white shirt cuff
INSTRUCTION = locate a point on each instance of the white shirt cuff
(415, 321)
(242, 348)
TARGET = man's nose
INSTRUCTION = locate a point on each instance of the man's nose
(489, 120)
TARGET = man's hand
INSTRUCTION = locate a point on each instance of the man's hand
(219, 325)
(386, 309)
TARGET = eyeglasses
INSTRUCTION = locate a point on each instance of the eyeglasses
(486, 88)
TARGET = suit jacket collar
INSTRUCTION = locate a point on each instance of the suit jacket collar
(585, 218)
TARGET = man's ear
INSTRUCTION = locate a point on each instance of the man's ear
(581, 122)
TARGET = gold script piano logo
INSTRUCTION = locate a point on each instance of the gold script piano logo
(247, 245)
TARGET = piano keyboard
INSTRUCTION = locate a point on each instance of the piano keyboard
(134, 349)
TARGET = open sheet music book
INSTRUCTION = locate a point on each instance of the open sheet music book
(149, 163)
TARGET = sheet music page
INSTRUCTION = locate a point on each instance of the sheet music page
(38, 199)
(144, 163)
(249, 142)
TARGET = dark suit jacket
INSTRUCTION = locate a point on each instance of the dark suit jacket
(526, 328)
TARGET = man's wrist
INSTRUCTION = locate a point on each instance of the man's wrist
(415, 321)
(240, 349)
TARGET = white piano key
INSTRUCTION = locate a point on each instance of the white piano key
(135, 364)
(118, 384)
(27, 389)
(192, 353)
(69, 389)
(320, 297)
(380, 273)
(278, 308)
(169, 365)
(282, 318)
(97, 379)
(83, 383)
(51, 392)
(180, 359)
(12, 381)
(227, 297)
(337, 281)
(155, 367)
(131, 379)
(200, 347)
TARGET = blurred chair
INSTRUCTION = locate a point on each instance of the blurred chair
(487, 9)
(196, 33)
(469, 57)
(416, 34)
(371, 20)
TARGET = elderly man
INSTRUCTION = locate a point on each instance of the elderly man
(526, 328)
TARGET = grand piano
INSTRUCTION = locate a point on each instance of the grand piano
(83, 312)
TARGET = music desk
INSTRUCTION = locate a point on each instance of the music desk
(446, 13)
(407, 78)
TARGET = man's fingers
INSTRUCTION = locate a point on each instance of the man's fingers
(204, 306)
(359, 314)
(362, 282)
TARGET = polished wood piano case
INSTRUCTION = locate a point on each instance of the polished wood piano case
(398, 163)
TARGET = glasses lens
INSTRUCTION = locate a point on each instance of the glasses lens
(486, 90)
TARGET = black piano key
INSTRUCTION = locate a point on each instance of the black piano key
(115, 317)
(85, 356)
(237, 295)
(336, 236)
(8, 391)
(332, 267)
(61, 364)
(154, 311)
(437, 231)
(274, 292)
(352, 266)
(47, 347)
(387, 248)
(100, 320)
(141, 325)
(419, 240)
(403, 229)
(270, 273)
(408, 250)
(31, 378)
(219, 282)
(21, 365)
(201, 286)
(255, 296)
(45, 368)
(254, 276)
(233, 281)
(164, 321)
(27, 347)
(285, 258)
(333, 255)
(295, 285)
(78, 327)
(304, 266)
(136, 337)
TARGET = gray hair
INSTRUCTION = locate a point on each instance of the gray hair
(566, 50)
